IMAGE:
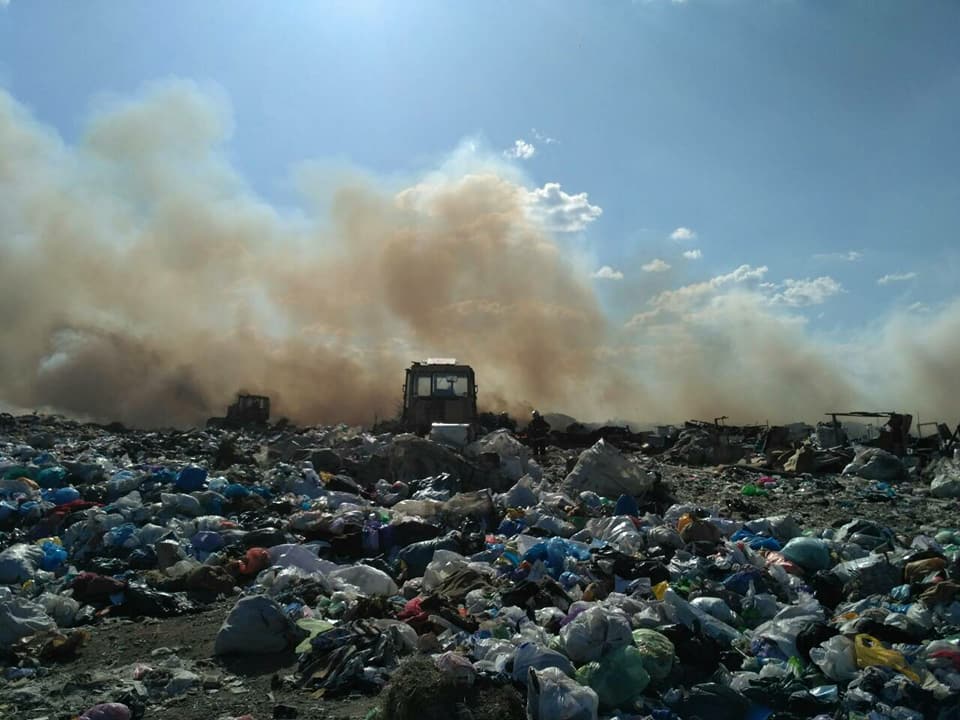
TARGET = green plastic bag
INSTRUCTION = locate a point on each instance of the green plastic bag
(618, 678)
(657, 652)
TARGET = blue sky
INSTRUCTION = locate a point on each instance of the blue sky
(817, 139)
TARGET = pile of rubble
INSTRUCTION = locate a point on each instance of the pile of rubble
(442, 581)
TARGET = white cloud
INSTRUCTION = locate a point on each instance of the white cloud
(685, 298)
(607, 273)
(800, 293)
(540, 137)
(656, 265)
(919, 307)
(521, 150)
(693, 254)
(741, 274)
(849, 256)
(896, 277)
(683, 233)
(560, 211)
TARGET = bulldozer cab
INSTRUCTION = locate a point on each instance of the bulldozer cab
(249, 410)
(438, 391)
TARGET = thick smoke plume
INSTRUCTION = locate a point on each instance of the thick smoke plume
(142, 280)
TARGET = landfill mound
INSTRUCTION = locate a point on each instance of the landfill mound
(283, 572)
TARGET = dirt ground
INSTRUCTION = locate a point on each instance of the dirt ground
(232, 688)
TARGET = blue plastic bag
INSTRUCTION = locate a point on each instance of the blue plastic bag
(53, 556)
(191, 478)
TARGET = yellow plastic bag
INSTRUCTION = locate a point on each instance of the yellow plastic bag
(871, 652)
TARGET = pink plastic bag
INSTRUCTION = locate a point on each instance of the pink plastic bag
(107, 711)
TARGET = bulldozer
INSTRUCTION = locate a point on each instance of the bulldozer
(439, 392)
(247, 411)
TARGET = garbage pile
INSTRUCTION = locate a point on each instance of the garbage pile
(443, 580)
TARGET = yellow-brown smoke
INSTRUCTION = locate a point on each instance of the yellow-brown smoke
(142, 281)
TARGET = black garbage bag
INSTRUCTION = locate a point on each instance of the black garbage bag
(265, 537)
(534, 595)
(811, 636)
(698, 655)
(414, 558)
(337, 658)
(140, 601)
(714, 701)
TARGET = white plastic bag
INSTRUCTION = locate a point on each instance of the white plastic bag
(836, 658)
(521, 495)
(366, 579)
(19, 618)
(685, 613)
(181, 504)
(594, 633)
(62, 608)
(531, 655)
(257, 626)
(551, 695)
(715, 607)
(442, 566)
(18, 563)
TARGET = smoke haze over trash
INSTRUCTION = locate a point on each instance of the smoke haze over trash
(143, 280)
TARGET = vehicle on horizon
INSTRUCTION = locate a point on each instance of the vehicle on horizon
(247, 411)
(440, 391)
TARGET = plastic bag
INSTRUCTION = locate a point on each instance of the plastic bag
(656, 651)
(594, 633)
(551, 695)
(807, 552)
(619, 678)
(416, 556)
(607, 472)
(836, 658)
(443, 564)
(301, 557)
(181, 504)
(554, 553)
(107, 711)
(456, 666)
(715, 607)
(521, 495)
(686, 614)
(191, 478)
(666, 537)
(20, 618)
(62, 608)
(256, 626)
(619, 531)
(368, 580)
(53, 555)
(18, 563)
(531, 655)
(870, 651)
